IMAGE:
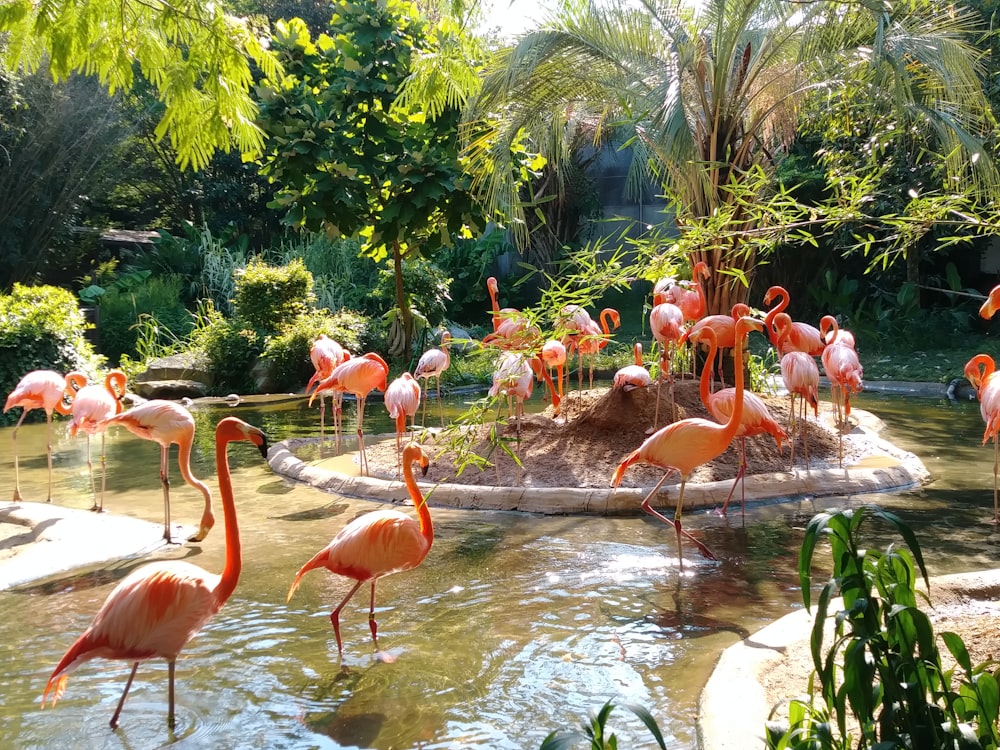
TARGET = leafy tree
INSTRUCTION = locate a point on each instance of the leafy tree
(195, 54)
(709, 97)
(348, 156)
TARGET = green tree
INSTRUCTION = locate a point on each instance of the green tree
(708, 98)
(197, 56)
(348, 156)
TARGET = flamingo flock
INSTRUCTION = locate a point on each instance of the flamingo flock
(156, 610)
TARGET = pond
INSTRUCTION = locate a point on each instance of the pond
(513, 626)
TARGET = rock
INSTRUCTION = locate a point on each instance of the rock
(186, 366)
(169, 389)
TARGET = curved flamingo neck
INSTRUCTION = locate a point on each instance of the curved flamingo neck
(410, 454)
(491, 287)
(116, 382)
(736, 417)
(782, 294)
(234, 552)
(979, 369)
(713, 346)
(828, 324)
(608, 314)
(782, 329)
(637, 349)
(184, 463)
(700, 268)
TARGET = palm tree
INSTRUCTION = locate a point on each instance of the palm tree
(709, 100)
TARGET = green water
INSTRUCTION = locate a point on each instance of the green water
(513, 626)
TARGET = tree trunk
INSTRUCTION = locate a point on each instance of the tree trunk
(402, 301)
(912, 254)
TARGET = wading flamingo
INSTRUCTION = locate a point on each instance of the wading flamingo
(326, 354)
(843, 368)
(755, 419)
(802, 337)
(666, 321)
(402, 399)
(377, 544)
(360, 376)
(800, 375)
(90, 405)
(981, 372)
(684, 445)
(39, 389)
(158, 608)
(165, 422)
(432, 364)
(630, 377)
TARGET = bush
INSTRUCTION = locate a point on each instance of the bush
(122, 309)
(41, 328)
(232, 348)
(267, 296)
(426, 285)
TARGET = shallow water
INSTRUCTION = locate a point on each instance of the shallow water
(514, 625)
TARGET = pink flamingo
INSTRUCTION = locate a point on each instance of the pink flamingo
(801, 378)
(514, 378)
(724, 328)
(326, 354)
(377, 544)
(402, 399)
(511, 328)
(755, 419)
(686, 444)
(801, 338)
(166, 423)
(690, 300)
(630, 377)
(39, 389)
(992, 304)
(666, 321)
(157, 609)
(843, 368)
(432, 364)
(981, 372)
(594, 338)
(90, 405)
(554, 355)
(360, 376)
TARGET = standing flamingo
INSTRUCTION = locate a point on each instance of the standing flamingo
(512, 329)
(843, 368)
(688, 443)
(360, 376)
(554, 355)
(39, 389)
(724, 328)
(666, 321)
(402, 399)
(630, 377)
(801, 378)
(90, 405)
(801, 338)
(159, 607)
(980, 370)
(326, 354)
(594, 338)
(514, 378)
(755, 419)
(166, 423)
(432, 364)
(690, 300)
(377, 544)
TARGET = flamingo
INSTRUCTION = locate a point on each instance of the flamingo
(843, 368)
(165, 422)
(511, 328)
(377, 544)
(360, 376)
(514, 378)
(802, 337)
(666, 321)
(554, 355)
(755, 419)
(159, 607)
(690, 300)
(724, 328)
(992, 304)
(981, 372)
(630, 377)
(801, 378)
(39, 389)
(688, 443)
(594, 338)
(432, 364)
(326, 354)
(91, 404)
(402, 399)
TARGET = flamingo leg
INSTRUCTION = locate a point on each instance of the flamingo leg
(740, 480)
(804, 426)
(361, 437)
(90, 470)
(996, 462)
(440, 405)
(322, 419)
(165, 482)
(676, 522)
(423, 412)
(335, 616)
(48, 453)
(121, 702)
(337, 404)
(17, 483)
(171, 667)
(372, 625)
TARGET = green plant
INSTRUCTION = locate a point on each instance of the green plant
(883, 666)
(595, 731)
(266, 296)
(426, 286)
(41, 327)
(287, 352)
(124, 307)
(343, 277)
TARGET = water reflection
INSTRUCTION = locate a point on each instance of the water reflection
(513, 626)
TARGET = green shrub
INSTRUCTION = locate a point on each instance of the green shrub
(343, 277)
(41, 328)
(232, 348)
(267, 296)
(287, 353)
(122, 310)
(425, 283)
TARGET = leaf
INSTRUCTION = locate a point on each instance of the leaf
(647, 718)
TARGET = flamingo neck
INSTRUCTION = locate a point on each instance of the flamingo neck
(234, 554)
(733, 425)
(423, 512)
(713, 347)
(638, 354)
(779, 306)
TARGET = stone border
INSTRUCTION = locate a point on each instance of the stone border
(905, 471)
